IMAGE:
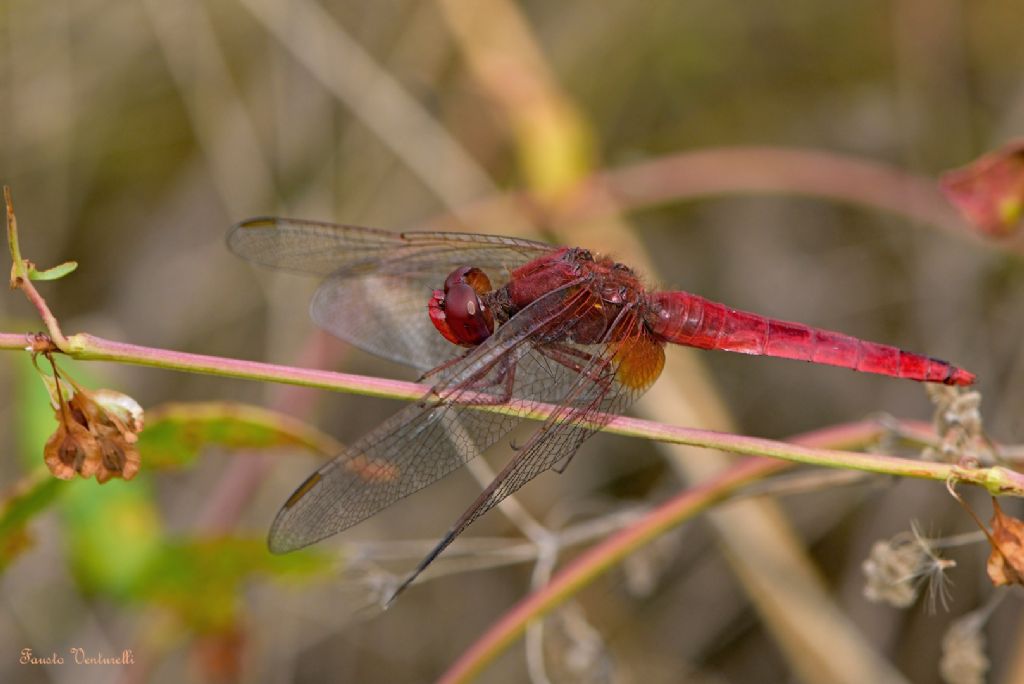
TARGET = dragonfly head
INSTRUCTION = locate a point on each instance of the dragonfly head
(458, 312)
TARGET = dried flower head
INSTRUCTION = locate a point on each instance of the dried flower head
(963, 650)
(644, 569)
(989, 192)
(96, 431)
(576, 651)
(896, 569)
(958, 421)
(72, 449)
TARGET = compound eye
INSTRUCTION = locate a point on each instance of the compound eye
(468, 275)
(458, 313)
(468, 319)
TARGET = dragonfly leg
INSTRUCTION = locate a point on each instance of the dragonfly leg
(480, 387)
(447, 364)
(572, 358)
(563, 464)
(595, 368)
(579, 361)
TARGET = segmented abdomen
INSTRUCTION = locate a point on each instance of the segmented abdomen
(687, 319)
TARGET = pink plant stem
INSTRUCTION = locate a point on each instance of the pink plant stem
(89, 347)
(14, 341)
(738, 171)
(997, 480)
(770, 170)
(600, 558)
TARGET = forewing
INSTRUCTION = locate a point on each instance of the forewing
(379, 283)
(430, 439)
(311, 247)
(320, 248)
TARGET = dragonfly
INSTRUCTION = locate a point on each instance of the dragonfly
(490, 320)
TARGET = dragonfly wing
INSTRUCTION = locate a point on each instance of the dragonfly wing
(384, 314)
(378, 283)
(428, 440)
(311, 247)
(619, 371)
(319, 248)
(414, 448)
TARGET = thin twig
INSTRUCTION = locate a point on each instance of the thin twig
(20, 279)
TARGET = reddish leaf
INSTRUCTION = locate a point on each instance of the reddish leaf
(218, 655)
(989, 192)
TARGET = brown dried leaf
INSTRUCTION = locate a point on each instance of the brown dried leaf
(1006, 562)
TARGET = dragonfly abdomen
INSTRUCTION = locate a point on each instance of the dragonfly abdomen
(683, 318)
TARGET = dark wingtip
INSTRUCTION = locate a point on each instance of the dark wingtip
(257, 222)
(235, 232)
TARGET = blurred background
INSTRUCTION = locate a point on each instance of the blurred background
(780, 158)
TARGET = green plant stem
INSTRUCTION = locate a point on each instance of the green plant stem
(12, 235)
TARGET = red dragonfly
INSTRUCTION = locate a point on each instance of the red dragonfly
(490, 319)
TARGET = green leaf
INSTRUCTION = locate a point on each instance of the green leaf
(111, 530)
(201, 581)
(175, 433)
(35, 412)
(32, 496)
(117, 542)
(38, 490)
(114, 532)
(55, 273)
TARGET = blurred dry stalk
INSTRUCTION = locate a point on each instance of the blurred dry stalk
(555, 145)
(149, 138)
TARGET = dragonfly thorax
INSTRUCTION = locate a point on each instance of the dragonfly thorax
(459, 312)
